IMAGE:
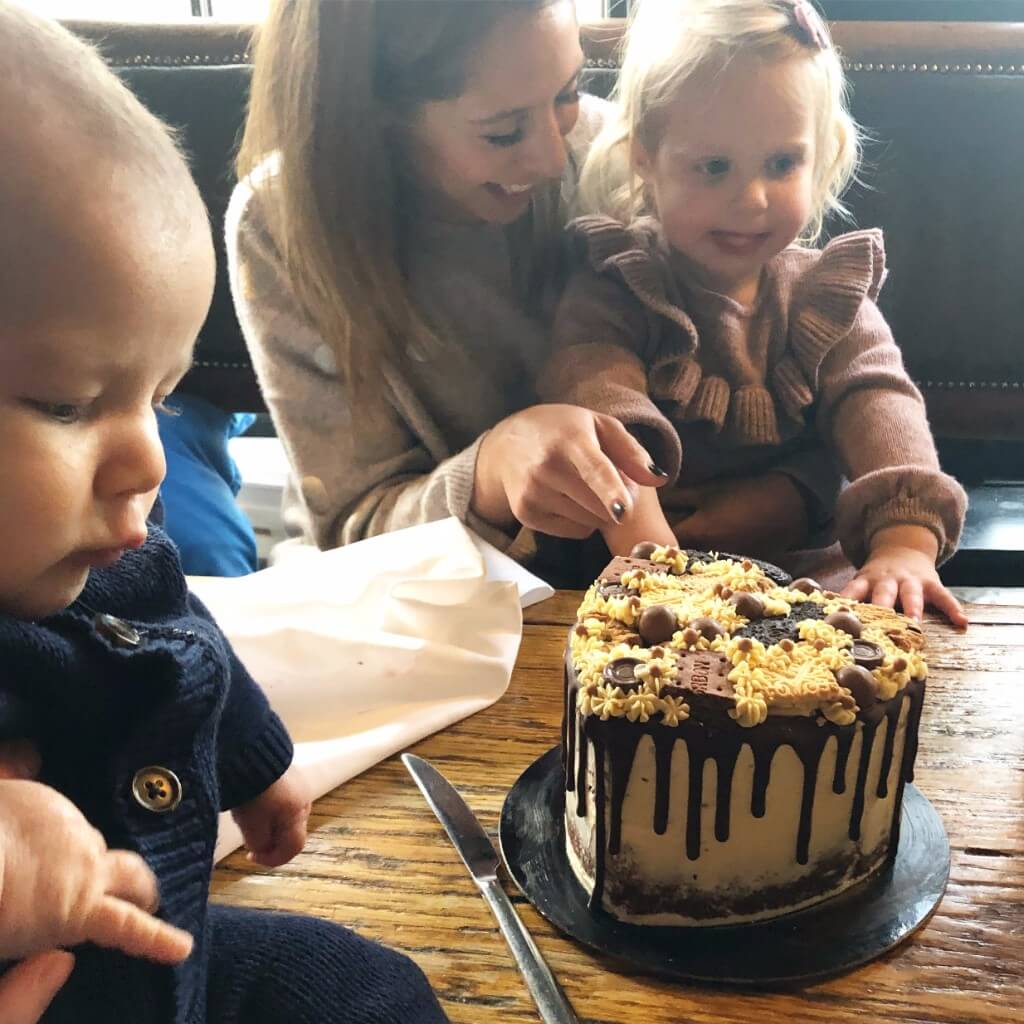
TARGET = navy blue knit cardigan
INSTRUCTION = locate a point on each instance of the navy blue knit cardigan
(100, 707)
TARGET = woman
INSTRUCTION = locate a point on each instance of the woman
(394, 262)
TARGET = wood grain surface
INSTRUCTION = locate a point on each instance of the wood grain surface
(378, 861)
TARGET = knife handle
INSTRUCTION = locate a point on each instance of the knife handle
(547, 993)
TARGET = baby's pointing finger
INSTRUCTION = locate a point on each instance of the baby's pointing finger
(130, 878)
(116, 924)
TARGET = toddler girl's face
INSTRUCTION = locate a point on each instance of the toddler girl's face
(732, 177)
(481, 155)
(100, 332)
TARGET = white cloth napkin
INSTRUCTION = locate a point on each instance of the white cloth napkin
(366, 649)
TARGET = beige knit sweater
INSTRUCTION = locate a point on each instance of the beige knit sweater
(717, 389)
(421, 464)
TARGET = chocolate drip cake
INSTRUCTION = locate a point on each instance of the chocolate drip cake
(736, 743)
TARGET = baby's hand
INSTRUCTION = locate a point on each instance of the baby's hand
(274, 823)
(900, 571)
(61, 886)
(28, 988)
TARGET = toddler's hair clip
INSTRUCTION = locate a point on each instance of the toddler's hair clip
(807, 22)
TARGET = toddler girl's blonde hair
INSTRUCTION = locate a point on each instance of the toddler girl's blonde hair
(669, 43)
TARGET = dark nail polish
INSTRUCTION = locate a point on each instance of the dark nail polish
(618, 511)
(657, 470)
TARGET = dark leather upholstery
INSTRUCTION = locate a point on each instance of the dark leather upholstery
(196, 77)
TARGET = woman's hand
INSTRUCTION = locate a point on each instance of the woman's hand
(901, 567)
(560, 470)
(758, 515)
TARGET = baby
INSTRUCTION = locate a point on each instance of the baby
(141, 714)
(703, 319)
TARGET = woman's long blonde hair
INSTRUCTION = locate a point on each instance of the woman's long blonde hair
(333, 83)
(668, 43)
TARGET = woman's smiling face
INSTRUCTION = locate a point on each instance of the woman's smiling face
(480, 155)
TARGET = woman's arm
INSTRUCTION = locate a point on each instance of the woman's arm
(345, 493)
(556, 470)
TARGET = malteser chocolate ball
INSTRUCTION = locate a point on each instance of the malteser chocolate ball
(657, 624)
(860, 682)
(643, 550)
(846, 621)
(750, 606)
(805, 585)
(708, 627)
(621, 672)
(867, 654)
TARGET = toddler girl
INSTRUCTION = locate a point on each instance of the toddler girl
(703, 319)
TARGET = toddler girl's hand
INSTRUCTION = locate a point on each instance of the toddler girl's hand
(274, 823)
(61, 885)
(901, 567)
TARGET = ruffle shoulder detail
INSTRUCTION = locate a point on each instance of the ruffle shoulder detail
(825, 302)
(632, 254)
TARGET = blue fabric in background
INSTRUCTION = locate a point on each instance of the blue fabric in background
(200, 512)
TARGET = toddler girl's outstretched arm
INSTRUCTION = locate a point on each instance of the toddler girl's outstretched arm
(901, 515)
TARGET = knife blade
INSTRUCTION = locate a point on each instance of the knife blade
(480, 857)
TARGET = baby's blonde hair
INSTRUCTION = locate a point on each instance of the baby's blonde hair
(57, 87)
(669, 43)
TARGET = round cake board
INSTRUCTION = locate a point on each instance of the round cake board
(836, 935)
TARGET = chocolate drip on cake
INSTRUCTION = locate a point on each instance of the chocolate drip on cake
(600, 825)
(621, 764)
(568, 730)
(715, 736)
(845, 739)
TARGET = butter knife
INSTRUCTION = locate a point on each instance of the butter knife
(478, 854)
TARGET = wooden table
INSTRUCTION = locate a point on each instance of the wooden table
(378, 861)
